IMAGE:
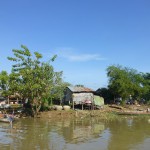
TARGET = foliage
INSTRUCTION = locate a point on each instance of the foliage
(124, 82)
(106, 94)
(33, 79)
(4, 83)
(146, 77)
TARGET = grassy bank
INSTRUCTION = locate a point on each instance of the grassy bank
(108, 113)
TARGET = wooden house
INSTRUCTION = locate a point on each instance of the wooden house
(78, 95)
(14, 99)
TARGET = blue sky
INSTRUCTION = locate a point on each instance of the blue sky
(87, 35)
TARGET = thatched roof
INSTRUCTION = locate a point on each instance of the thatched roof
(14, 96)
(78, 89)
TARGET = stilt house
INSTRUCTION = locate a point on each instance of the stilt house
(76, 95)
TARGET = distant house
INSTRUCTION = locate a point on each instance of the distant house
(14, 99)
(6, 102)
(82, 95)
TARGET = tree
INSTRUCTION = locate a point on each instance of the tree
(4, 82)
(124, 82)
(146, 77)
(31, 78)
(106, 94)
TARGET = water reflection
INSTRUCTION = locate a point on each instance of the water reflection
(81, 130)
(128, 133)
(75, 134)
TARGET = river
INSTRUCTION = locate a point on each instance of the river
(76, 134)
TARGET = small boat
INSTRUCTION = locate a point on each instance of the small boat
(8, 119)
(133, 113)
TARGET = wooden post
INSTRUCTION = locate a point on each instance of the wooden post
(8, 99)
(73, 105)
(93, 103)
(82, 106)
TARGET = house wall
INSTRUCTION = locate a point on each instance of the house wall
(79, 98)
(98, 101)
(68, 97)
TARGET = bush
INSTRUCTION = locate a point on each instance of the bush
(148, 102)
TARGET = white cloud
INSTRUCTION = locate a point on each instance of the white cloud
(69, 54)
(84, 57)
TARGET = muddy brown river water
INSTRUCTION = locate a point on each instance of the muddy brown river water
(77, 134)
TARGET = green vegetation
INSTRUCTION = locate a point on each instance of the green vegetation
(126, 83)
(36, 81)
(32, 79)
(4, 82)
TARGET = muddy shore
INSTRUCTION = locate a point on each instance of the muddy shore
(106, 113)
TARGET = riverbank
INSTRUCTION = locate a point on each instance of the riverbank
(108, 112)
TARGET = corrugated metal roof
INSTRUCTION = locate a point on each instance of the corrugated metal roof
(80, 89)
